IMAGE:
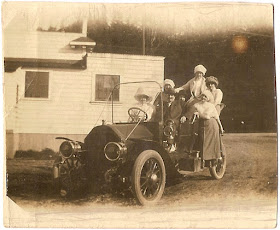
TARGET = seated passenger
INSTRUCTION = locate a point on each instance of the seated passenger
(212, 83)
(144, 104)
(168, 84)
(182, 97)
(211, 128)
(206, 110)
(203, 107)
(172, 109)
(196, 85)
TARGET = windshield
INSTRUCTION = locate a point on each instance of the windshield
(134, 102)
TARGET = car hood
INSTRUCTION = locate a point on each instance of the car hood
(99, 136)
(131, 130)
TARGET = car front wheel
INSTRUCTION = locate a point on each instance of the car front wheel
(148, 177)
(69, 176)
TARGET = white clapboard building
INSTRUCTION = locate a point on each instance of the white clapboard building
(55, 85)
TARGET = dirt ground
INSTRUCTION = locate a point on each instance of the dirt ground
(245, 198)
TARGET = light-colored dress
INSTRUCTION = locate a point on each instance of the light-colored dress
(148, 108)
(195, 86)
(210, 130)
(206, 110)
(212, 144)
(218, 97)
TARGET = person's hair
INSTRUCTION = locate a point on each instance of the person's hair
(211, 82)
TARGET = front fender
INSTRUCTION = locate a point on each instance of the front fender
(137, 146)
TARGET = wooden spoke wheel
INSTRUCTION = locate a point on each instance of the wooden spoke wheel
(148, 177)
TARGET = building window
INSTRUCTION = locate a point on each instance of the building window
(36, 84)
(104, 84)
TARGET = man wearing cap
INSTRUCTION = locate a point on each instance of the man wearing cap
(196, 85)
(172, 109)
(167, 85)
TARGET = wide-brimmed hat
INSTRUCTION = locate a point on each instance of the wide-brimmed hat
(169, 82)
(141, 93)
(200, 68)
(213, 80)
(170, 91)
(208, 94)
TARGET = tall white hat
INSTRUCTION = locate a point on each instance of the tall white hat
(169, 82)
(140, 93)
(200, 68)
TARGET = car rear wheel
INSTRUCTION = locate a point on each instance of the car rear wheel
(218, 170)
(148, 177)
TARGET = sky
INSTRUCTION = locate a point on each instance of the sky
(181, 18)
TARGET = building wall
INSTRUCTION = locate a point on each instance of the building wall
(35, 141)
(71, 108)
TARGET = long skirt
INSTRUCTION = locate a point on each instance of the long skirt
(211, 144)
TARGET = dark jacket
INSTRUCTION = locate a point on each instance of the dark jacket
(173, 112)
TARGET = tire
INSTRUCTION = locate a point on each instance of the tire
(65, 181)
(71, 177)
(148, 177)
(218, 170)
(56, 181)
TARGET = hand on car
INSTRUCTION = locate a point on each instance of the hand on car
(177, 90)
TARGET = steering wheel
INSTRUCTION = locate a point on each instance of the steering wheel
(137, 114)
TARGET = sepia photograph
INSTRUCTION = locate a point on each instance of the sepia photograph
(139, 115)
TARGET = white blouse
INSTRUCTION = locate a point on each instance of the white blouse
(148, 108)
(218, 96)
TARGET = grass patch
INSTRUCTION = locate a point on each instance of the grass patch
(45, 154)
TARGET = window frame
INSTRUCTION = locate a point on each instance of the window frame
(50, 72)
(95, 88)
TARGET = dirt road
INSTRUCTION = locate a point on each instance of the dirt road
(245, 198)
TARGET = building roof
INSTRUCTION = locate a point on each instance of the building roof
(24, 46)
(40, 45)
(21, 40)
(83, 41)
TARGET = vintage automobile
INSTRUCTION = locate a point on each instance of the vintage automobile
(133, 150)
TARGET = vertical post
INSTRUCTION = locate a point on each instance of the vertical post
(144, 45)
(17, 94)
(84, 29)
(143, 30)
(112, 105)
